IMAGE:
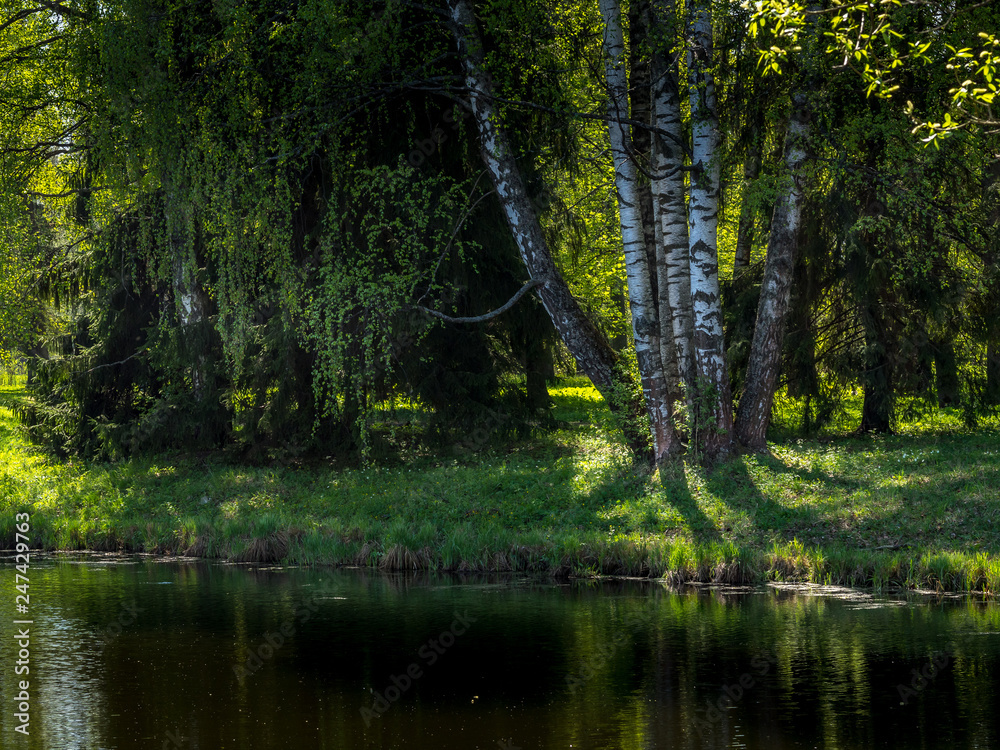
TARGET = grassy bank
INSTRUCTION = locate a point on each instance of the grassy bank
(920, 509)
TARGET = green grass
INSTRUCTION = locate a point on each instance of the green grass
(917, 510)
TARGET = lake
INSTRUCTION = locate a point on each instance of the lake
(133, 652)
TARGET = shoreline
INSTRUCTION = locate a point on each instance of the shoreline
(676, 563)
(910, 511)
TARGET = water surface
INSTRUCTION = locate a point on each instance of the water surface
(137, 653)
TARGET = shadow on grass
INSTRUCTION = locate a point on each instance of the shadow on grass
(777, 466)
(949, 504)
(675, 487)
(733, 484)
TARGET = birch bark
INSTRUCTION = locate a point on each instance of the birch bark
(645, 325)
(713, 404)
(646, 60)
(593, 354)
(674, 268)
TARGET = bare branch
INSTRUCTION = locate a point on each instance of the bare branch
(112, 364)
(487, 316)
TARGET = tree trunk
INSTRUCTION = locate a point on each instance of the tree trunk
(670, 207)
(993, 371)
(665, 314)
(590, 349)
(876, 413)
(640, 103)
(643, 63)
(536, 365)
(877, 379)
(946, 374)
(754, 412)
(713, 403)
(645, 325)
(642, 33)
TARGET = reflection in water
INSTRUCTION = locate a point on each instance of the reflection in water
(131, 653)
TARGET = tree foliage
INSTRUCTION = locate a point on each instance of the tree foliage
(222, 224)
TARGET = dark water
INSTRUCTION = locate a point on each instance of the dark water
(139, 654)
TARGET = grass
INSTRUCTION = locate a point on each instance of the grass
(915, 510)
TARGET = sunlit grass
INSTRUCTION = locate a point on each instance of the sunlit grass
(919, 509)
(915, 417)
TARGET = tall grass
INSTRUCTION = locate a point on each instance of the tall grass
(918, 510)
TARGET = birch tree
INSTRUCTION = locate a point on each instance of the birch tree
(713, 417)
(593, 354)
(645, 65)
(670, 207)
(645, 323)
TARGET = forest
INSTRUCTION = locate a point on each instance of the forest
(327, 228)
(500, 373)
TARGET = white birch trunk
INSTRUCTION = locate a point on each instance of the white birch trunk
(668, 353)
(665, 314)
(674, 269)
(714, 411)
(645, 327)
(593, 354)
(644, 56)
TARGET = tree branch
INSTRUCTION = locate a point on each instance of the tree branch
(19, 17)
(62, 10)
(486, 316)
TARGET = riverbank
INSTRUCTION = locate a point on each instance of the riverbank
(916, 510)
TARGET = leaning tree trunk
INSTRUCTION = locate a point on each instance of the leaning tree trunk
(645, 326)
(754, 412)
(593, 354)
(713, 417)
(670, 207)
